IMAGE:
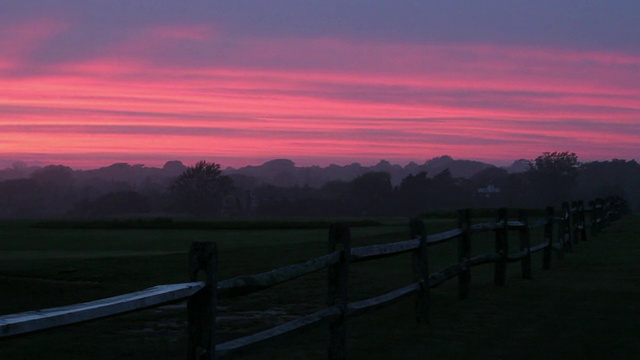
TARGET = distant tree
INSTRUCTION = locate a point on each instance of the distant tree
(21, 198)
(614, 177)
(517, 192)
(174, 167)
(556, 163)
(114, 204)
(446, 192)
(335, 190)
(490, 176)
(271, 200)
(200, 189)
(54, 176)
(57, 184)
(552, 176)
(443, 178)
(413, 194)
(371, 193)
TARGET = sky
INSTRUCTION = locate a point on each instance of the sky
(87, 83)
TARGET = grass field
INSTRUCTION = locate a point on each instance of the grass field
(586, 306)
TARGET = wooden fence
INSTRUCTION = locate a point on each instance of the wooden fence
(202, 296)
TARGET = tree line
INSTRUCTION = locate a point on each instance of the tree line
(550, 179)
(202, 190)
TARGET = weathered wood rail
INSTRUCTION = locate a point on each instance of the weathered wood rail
(202, 296)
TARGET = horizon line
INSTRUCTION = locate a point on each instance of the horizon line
(11, 163)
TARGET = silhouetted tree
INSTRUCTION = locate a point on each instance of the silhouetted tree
(490, 176)
(21, 198)
(443, 178)
(199, 190)
(371, 193)
(556, 163)
(448, 192)
(413, 194)
(606, 178)
(57, 184)
(115, 204)
(517, 192)
(272, 200)
(552, 176)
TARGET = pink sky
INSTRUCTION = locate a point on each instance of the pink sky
(192, 90)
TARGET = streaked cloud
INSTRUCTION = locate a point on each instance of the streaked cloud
(154, 81)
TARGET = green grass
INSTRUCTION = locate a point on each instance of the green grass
(184, 224)
(584, 307)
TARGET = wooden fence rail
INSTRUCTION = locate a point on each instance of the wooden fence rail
(31, 321)
(202, 295)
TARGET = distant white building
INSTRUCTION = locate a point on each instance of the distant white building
(489, 190)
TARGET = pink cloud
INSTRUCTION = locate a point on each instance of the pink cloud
(18, 41)
(321, 98)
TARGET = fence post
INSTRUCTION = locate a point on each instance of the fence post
(201, 306)
(606, 214)
(502, 248)
(464, 253)
(599, 214)
(560, 221)
(421, 269)
(525, 244)
(338, 275)
(567, 242)
(548, 237)
(575, 222)
(593, 216)
(583, 221)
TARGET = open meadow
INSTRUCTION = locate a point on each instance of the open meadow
(585, 306)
